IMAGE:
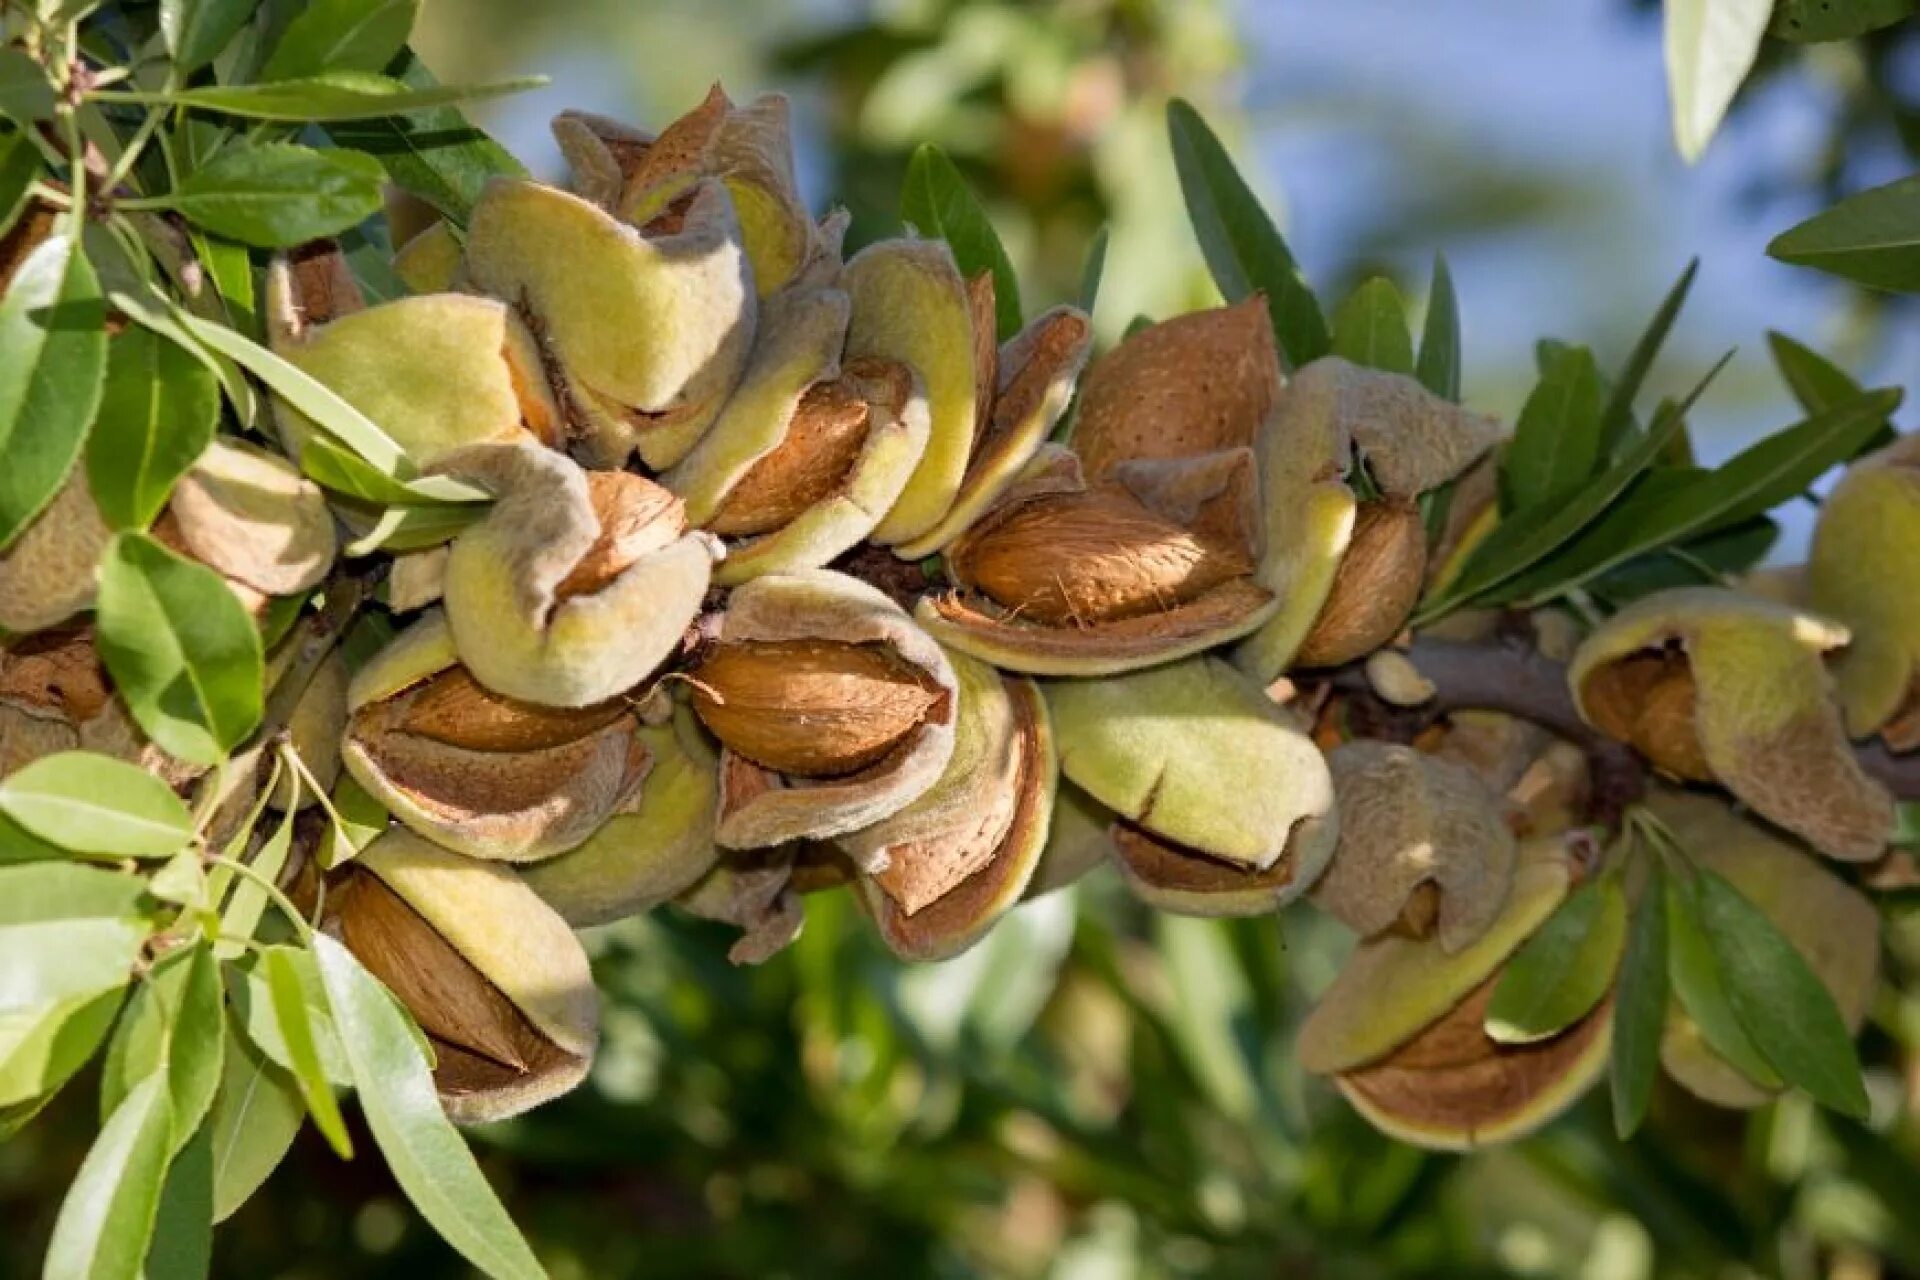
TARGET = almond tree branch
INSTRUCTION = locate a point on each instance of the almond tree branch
(1514, 677)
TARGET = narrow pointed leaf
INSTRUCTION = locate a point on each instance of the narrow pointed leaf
(341, 35)
(19, 166)
(107, 1216)
(172, 1028)
(277, 195)
(1438, 366)
(1093, 271)
(1872, 238)
(427, 1155)
(1370, 328)
(67, 930)
(197, 30)
(1710, 46)
(937, 202)
(1556, 442)
(53, 358)
(342, 95)
(290, 1012)
(1616, 420)
(1564, 969)
(1817, 383)
(182, 651)
(1640, 1008)
(1244, 251)
(1786, 1011)
(43, 1045)
(435, 154)
(1694, 969)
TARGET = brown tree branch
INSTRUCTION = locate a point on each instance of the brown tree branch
(1513, 677)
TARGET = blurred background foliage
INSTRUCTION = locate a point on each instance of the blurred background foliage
(1097, 1091)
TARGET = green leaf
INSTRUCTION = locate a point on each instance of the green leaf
(108, 1214)
(937, 201)
(255, 1117)
(335, 467)
(230, 270)
(1640, 1007)
(157, 415)
(436, 154)
(1811, 20)
(1695, 972)
(307, 395)
(1710, 46)
(152, 310)
(427, 1155)
(182, 1247)
(180, 647)
(341, 35)
(1616, 421)
(53, 356)
(252, 1002)
(1211, 1000)
(67, 930)
(291, 1015)
(1872, 238)
(17, 844)
(415, 528)
(1906, 825)
(1094, 269)
(1749, 484)
(278, 195)
(241, 917)
(1243, 250)
(182, 880)
(1556, 442)
(1717, 557)
(19, 166)
(1528, 537)
(197, 30)
(1818, 383)
(25, 93)
(41, 1046)
(1564, 969)
(1438, 367)
(171, 1028)
(1370, 328)
(1786, 1010)
(340, 95)
(95, 804)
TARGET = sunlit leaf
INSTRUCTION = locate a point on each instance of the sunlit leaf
(108, 1214)
(255, 1116)
(277, 194)
(291, 1015)
(241, 916)
(197, 30)
(937, 201)
(340, 95)
(42, 1046)
(182, 651)
(252, 1004)
(1710, 44)
(53, 358)
(95, 804)
(427, 1155)
(341, 35)
(1564, 969)
(157, 415)
(1243, 250)
(171, 1028)
(66, 930)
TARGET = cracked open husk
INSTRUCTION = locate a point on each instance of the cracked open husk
(1333, 417)
(1196, 755)
(657, 846)
(752, 890)
(477, 772)
(959, 856)
(55, 696)
(1862, 570)
(1833, 926)
(1401, 1029)
(1414, 825)
(576, 585)
(1152, 564)
(1712, 684)
(644, 334)
(493, 975)
(835, 711)
(436, 371)
(909, 305)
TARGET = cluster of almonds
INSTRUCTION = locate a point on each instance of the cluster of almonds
(690, 653)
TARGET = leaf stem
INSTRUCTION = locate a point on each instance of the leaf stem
(271, 889)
